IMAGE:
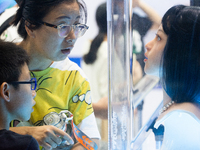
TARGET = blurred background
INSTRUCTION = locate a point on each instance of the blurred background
(159, 5)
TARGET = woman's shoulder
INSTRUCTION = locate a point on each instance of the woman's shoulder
(103, 50)
(181, 130)
(186, 106)
(179, 117)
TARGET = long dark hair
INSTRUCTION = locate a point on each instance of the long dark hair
(101, 19)
(180, 62)
(34, 11)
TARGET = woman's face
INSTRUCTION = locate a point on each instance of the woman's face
(154, 53)
(47, 43)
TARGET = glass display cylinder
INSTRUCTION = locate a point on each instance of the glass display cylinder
(120, 115)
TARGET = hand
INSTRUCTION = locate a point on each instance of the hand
(49, 136)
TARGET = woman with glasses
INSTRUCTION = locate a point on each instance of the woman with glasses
(17, 91)
(49, 29)
(173, 55)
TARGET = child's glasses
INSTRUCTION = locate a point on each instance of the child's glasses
(33, 83)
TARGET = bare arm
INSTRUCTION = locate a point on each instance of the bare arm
(151, 13)
(101, 108)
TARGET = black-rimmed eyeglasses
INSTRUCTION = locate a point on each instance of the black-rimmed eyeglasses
(64, 29)
(33, 83)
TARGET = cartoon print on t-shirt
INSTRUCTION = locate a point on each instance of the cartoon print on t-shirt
(86, 97)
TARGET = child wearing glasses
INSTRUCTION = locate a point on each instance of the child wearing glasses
(49, 29)
(17, 91)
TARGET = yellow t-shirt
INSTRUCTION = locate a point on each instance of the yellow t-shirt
(62, 86)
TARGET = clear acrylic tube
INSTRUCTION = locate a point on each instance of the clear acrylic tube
(120, 113)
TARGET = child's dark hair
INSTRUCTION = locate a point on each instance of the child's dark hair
(180, 62)
(12, 59)
(101, 19)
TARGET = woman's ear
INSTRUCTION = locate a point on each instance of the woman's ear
(5, 91)
(29, 31)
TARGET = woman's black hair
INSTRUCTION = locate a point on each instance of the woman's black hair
(33, 11)
(180, 61)
(101, 19)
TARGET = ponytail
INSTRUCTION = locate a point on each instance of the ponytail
(101, 19)
(18, 15)
(91, 56)
(19, 19)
